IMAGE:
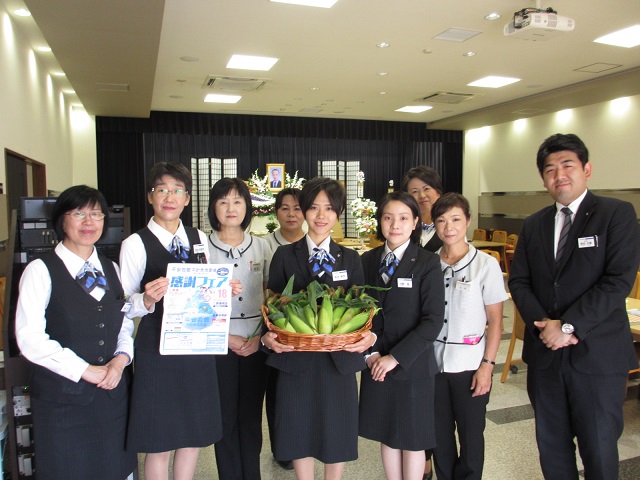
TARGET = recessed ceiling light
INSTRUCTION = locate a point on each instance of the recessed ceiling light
(383, 45)
(314, 88)
(59, 74)
(217, 98)
(382, 74)
(189, 59)
(414, 109)
(22, 12)
(249, 62)
(68, 91)
(382, 93)
(309, 3)
(493, 82)
(627, 37)
(44, 49)
(492, 16)
(469, 54)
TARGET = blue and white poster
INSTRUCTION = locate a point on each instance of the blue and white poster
(197, 308)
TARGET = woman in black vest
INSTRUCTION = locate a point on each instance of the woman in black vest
(70, 325)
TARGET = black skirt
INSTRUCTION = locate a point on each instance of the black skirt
(175, 402)
(398, 413)
(83, 441)
(316, 413)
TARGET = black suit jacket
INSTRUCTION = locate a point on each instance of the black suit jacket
(293, 259)
(587, 289)
(411, 318)
(433, 244)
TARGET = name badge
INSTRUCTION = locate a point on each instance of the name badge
(126, 307)
(255, 267)
(198, 248)
(463, 286)
(587, 242)
(405, 283)
(340, 275)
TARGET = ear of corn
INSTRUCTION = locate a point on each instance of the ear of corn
(354, 324)
(325, 316)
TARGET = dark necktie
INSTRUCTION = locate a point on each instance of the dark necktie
(321, 261)
(564, 233)
(179, 250)
(90, 278)
(388, 266)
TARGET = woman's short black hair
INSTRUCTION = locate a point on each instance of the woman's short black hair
(410, 202)
(77, 198)
(175, 170)
(427, 174)
(221, 189)
(447, 202)
(561, 142)
(294, 192)
(333, 189)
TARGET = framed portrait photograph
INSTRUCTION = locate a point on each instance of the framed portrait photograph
(275, 175)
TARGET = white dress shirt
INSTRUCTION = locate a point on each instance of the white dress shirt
(573, 206)
(133, 261)
(35, 293)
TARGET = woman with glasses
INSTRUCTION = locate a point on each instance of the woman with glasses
(70, 325)
(467, 345)
(175, 402)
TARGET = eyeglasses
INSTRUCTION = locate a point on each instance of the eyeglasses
(80, 215)
(178, 192)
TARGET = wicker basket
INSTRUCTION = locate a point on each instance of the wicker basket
(317, 342)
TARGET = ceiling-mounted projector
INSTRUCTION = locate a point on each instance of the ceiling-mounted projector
(538, 25)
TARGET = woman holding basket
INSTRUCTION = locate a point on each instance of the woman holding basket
(309, 421)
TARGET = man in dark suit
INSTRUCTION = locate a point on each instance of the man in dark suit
(275, 178)
(573, 267)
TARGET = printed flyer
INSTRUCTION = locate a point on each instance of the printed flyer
(197, 308)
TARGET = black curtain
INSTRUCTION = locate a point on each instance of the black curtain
(128, 147)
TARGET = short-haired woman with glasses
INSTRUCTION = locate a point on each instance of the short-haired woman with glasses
(175, 401)
(70, 325)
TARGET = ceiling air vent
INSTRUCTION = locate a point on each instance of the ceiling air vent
(233, 84)
(447, 97)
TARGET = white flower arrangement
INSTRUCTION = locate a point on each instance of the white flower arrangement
(364, 216)
(263, 198)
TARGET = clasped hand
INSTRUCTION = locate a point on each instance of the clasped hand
(552, 335)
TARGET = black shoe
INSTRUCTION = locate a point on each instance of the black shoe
(286, 464)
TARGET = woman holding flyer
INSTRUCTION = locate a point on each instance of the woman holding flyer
(175, 402)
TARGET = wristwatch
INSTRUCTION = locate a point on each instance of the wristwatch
(567, 328)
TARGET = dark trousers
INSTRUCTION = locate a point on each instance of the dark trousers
(456, 409)
(242, 382)
(569, 404)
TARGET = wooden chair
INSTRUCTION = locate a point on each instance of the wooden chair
(635, 291)
(480, 234)
(499, 236)
(517, 333)
(512, 241)
(495, 255)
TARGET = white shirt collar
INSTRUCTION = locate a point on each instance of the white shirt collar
(73, 262)
(573, 206)
(398, 252)
(324, 245)
(165, 236)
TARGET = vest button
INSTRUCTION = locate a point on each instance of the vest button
(101, 325)
(240, 299)
(444, 338)
(99, 308)
(242, 315)
(101, 342)
(100, 359)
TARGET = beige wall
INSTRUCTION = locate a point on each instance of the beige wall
(36, 119)
(501, 158)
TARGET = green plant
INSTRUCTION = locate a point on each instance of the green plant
(271, 226)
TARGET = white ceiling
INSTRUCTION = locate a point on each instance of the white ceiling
(328, 60)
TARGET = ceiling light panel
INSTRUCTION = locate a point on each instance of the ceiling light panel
(493, 82)
(414, 109)
(309, 3)
(249, 62)
(217, 98)
(627, 37)
(456, 35)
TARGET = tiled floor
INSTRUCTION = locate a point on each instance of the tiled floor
(511, 452)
